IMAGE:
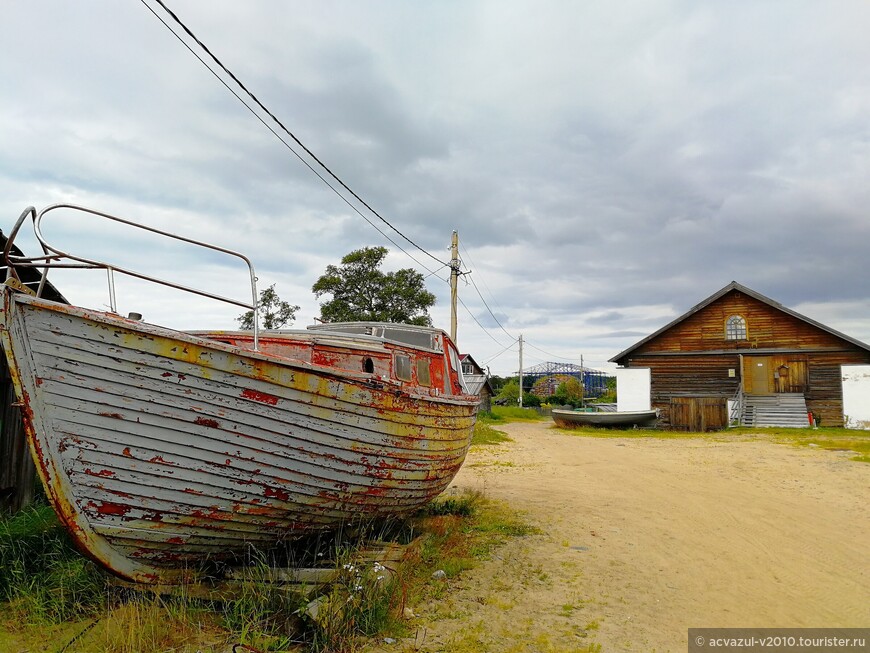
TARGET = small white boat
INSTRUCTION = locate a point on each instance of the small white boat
(607, 419)
(161, 449)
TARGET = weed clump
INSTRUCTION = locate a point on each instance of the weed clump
(42, 576)
(374, 570)
(360, 602)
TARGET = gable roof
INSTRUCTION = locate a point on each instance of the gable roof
(751, 293)
(476, 382)
(467, 357)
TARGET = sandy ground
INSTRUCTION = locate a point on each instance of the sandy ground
(642, 539)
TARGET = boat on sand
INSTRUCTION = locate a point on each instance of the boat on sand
(161, 449)
(605, 419)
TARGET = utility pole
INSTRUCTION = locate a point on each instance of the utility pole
(520, 400)
(454, 276)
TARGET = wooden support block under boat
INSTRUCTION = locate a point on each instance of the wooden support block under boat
(303, 581)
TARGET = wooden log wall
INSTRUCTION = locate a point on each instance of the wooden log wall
(676, 377)
(17, 472)
(825, 393)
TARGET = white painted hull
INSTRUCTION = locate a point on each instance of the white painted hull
(160, 449)
(605, 419)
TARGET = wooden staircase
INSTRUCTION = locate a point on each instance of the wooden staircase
(784, 409)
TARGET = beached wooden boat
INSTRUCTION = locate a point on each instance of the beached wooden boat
(606, 419)
(161, 449)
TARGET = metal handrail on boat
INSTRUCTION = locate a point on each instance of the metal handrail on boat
(54, 257)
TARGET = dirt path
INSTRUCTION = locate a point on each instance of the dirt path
(643, 538)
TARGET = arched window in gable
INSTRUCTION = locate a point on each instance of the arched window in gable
(735, 328)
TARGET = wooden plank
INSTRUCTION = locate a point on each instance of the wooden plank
(698, 414)
(297, 580)
(17, 471)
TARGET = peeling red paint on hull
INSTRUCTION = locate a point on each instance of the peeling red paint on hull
(262, 397)
(210, 446)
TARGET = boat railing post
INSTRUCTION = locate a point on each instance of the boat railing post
(255, 305)
(112, 302)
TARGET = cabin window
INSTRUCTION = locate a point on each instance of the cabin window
(423, 377)
(735, 328)
(403, 367)
(368, 366)
(467, 368)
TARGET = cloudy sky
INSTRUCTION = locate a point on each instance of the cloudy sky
(607, 164)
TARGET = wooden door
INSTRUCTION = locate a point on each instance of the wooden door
(698, 413)
(758, 375)
(789, 374)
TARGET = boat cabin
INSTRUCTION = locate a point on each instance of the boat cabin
(416, 358)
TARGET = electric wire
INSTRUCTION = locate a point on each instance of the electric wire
(484, 329)
(492, 358)
(329, 172)
(489, 310)
(471, 278)
(286, 131)
(564, 358)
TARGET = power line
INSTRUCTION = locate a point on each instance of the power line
(479, 294)
(327, 169)
(471, 278)
(566, 358)
(483, 328)
(288, 132)
(492, 358)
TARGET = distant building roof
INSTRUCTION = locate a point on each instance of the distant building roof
(476, 382)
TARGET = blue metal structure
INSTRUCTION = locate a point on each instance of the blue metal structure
(594, 381)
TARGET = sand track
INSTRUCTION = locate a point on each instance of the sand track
(643, 538)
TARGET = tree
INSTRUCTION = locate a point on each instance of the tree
(361, 292)
(570, 391)
(273, 312)
(497, 382)
(509, 394)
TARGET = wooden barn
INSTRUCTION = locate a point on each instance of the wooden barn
(740, 356)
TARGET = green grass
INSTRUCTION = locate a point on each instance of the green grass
(484, 435)
(828, 438)
(43, 579)
(511, 414)
(593, 432)
(458, 533)
(53, 599)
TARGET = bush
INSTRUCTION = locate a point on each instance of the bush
(530, 400)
